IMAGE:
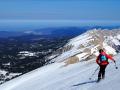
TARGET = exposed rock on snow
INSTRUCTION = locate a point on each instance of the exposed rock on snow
(88, 44)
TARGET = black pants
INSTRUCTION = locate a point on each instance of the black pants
(101, 73)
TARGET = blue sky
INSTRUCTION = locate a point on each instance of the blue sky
(60, 10)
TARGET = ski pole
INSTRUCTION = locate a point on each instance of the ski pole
(94, 73)
(115, 66)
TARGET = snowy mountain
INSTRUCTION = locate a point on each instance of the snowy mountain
(86, 46)
(74, 64)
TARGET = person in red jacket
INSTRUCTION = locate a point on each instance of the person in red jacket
(102, 61)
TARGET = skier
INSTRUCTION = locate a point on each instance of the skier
(102, 61)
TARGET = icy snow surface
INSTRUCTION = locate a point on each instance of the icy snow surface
(72, 77)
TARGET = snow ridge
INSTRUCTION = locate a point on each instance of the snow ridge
(89, 43)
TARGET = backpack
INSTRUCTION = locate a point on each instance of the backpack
(103, 58)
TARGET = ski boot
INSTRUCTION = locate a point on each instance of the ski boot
(99, 78)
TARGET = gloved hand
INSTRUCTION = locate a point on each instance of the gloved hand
(99, 64)
(114, 61)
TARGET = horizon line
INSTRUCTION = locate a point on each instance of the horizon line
(34, 20)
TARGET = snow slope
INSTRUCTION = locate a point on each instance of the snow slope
(73, 77)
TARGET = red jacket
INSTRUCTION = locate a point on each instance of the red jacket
(104, 62)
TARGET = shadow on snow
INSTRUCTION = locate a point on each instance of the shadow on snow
(85, 83)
